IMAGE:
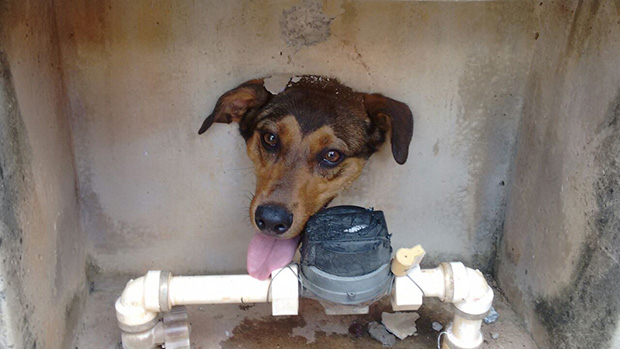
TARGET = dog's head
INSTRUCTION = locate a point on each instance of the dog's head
(308, 143)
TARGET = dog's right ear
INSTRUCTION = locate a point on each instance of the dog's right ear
(388, 114)
(235, 104)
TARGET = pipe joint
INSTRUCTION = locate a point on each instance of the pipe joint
(131, 310)
(454, 283)
(472, 301)
(172, 331)
(164, 291)
(477, 296)
(448, 282)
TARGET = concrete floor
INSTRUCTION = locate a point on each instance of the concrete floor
(252, 326)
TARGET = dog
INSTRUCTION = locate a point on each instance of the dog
(308, 143)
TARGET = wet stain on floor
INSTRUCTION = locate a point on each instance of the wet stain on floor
(325, 331)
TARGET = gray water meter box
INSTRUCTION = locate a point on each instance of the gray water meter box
(345, 255)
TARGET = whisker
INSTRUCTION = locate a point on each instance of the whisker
(240, 169)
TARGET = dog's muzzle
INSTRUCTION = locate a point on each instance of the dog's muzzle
(273, 219)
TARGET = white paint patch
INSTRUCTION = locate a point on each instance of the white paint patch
(277, 83)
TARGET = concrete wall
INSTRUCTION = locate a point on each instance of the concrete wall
(559, 257)
(42, 263)
(516, 106)
(142, 76)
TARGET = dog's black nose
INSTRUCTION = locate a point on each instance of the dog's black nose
(273, 219)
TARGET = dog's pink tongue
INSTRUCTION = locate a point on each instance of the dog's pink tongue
(265, 254)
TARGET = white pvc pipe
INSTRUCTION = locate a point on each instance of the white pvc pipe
(144, 297)
(454, 283)
(188, 290)
(431, 281)
(467, 330)
(451, 282)
(472, 297)
(130, 306)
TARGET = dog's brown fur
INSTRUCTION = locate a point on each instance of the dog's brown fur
(308, 119)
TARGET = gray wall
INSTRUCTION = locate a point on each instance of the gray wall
(142, 76)
(560, 252)
(42, 246)
(517, 132)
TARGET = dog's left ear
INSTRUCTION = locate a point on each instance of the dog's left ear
(385, 114)
(235, 104)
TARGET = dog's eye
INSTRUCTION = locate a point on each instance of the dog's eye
(269, 140)
(331, 158)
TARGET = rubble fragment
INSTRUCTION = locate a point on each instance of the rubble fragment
(400, 324)
(379, 333)
(492, 317)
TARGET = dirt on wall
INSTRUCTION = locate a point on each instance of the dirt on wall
(14, 182)
(559, 252)
(584, 314)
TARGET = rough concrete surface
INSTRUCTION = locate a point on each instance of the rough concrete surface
(42, 247)
(13, 172)
(559, 256)
(251, 326)
(142, 76)
(305, 24)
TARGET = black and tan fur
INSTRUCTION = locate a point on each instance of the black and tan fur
(311, 121)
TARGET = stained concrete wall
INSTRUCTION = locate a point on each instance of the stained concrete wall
(559, 261)
(142, 76)
(42, 247)
(108, 96)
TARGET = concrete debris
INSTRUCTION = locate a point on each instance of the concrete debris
(402, 325)
(437, 326)
(492, 317)
(494, 335)
(379, 333)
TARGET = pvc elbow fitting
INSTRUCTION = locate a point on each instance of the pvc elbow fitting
(477, 296)
(131, 312)
(142, 300)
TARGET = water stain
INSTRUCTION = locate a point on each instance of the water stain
(280, 332)
(490, 92)
(582, 24)
(585, 313)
